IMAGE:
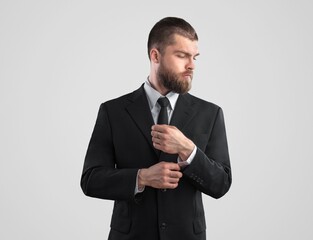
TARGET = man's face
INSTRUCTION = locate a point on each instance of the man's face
(177, 63)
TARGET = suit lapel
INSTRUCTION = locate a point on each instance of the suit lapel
(139, 111)
(183, 112)
(182, 115)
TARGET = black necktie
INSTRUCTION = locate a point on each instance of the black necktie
(163, 117)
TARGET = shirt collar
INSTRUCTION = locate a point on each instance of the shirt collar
(153, 96)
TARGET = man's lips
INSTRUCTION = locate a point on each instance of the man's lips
(187, 74)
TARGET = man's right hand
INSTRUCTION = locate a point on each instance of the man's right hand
(161, 175)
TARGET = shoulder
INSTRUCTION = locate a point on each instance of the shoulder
(205, 110)
(198, 102)
(124, 100)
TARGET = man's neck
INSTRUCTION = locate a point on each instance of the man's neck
(158, 88)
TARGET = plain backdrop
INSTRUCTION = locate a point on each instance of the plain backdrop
(59, 60)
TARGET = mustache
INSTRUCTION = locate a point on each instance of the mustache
(188, 72)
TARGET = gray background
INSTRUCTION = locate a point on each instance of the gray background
(60, 59)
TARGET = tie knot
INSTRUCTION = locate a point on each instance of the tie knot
(163, 101)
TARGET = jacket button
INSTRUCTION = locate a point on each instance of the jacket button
(163, 226)
(163, 190)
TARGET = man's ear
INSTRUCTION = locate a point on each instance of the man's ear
(154, 55)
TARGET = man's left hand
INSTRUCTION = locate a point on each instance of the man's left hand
(171, 140)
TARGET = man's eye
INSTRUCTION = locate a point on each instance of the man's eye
(181, 55)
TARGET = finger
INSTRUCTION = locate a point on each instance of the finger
(156, 140)
(178, 174)
(173, 180)
(156, 134)
(173, 166)
(171, 185)
(153, 133)
(157, 146)
(159, 128)
(175, 175)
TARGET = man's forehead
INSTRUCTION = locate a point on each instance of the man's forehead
(184, 44)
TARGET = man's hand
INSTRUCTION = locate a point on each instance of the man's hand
(161, 175)
(170, 140)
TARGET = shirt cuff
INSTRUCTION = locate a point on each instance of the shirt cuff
(137, 189)
(182, 163)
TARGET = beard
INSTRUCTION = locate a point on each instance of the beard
(174, 81)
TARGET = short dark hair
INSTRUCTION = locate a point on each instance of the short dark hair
(162, 33)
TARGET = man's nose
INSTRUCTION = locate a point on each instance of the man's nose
(191, 64)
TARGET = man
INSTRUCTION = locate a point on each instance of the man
(156, 172)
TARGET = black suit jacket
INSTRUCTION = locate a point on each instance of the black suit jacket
(121, 144)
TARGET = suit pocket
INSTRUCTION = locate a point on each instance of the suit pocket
(121, 218)
(199, 225)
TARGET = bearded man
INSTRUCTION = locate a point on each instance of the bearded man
(156, 150)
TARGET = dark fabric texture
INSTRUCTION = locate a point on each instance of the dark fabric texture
(121, 144)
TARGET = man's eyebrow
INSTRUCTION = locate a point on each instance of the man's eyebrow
(188, 54)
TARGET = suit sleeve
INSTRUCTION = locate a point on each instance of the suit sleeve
(210, 170)
(100, 177)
